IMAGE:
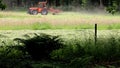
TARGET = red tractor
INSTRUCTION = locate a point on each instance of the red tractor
(40, 9)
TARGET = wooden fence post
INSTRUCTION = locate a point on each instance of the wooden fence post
(95, 34)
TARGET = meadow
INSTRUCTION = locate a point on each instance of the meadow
(11, 20)
(74, 31)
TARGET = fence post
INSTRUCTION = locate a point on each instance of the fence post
(95, 33)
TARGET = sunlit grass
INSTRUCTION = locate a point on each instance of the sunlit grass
(64, 20)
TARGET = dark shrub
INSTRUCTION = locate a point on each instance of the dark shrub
(40, 46)
(2, 6)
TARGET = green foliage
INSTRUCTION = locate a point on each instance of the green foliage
(40, 46)
(2, 6)
(105, 51)
(84, 3)
(70, 51)
(80, 62)
(43, 65)
(84, 53)
(12, 57)
(75, 53)
(8, 52)
(112, 8)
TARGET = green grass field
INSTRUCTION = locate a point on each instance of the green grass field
(74, 28)
(106, 51)
(10, 20)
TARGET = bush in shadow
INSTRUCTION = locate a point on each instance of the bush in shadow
(40, 46)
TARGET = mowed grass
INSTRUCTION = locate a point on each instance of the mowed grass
(10, 20)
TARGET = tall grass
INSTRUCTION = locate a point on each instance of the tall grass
(75, 53)
(79, 53)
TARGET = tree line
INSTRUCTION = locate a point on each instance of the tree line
(111, 4)
(64, 2)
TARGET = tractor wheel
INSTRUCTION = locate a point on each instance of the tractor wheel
(34, 12)
(44, 12)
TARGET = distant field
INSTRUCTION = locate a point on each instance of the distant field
(66, 20)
